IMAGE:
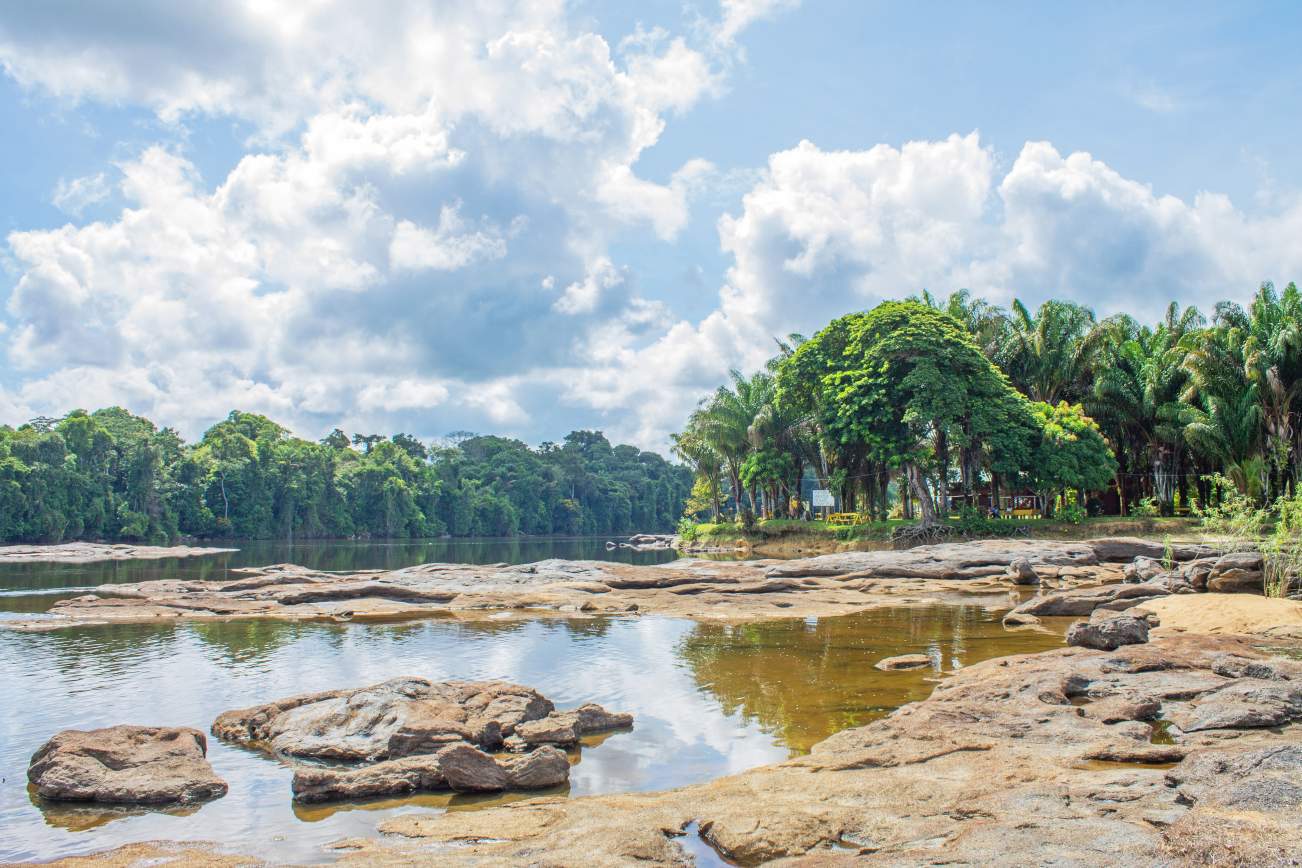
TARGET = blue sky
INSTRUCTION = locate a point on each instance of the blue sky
(528, 217)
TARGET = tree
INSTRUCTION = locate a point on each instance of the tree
(1071, 452)
(906, 382)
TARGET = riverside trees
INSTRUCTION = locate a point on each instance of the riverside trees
(935, 393)
(113, 475)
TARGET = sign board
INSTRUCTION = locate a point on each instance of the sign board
(823, 497)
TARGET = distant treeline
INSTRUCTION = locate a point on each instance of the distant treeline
(114, 475)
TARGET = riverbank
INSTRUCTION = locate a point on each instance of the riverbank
(787, 538)
(1152, 754)
(979, 572)
(89, 552)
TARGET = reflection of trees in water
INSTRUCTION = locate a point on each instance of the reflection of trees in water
(249, 640)
(804, 680)
(102, 649)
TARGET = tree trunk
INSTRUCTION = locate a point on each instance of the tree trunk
(918, 485)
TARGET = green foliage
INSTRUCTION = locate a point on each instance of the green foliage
(1071, 452)
(112, 475)
(1072, 513)
(1145, 508)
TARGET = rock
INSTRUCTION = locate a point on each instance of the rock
(1116, 709)
(1244, 704)
(988, 770)
(538, 769)
(951, 561)
(396, 718)
(1142, 569)
(146, 765)
(1020, 619)
(389, 778)
(1123, 548)
(1083, 601)
(458, 767)
(566, 727)
(1108, 634)
(903, 661)
(1236, 572)
(1265, 779)
(1021, 572)
(468, 770)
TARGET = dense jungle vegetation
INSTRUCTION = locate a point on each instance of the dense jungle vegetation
(113, 475)
(896, 407)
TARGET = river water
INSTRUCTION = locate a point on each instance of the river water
(708, 699)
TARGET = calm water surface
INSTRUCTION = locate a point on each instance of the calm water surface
(708, 700)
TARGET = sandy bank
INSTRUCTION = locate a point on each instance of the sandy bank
(1227, 614)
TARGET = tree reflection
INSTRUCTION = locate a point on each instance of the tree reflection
(803, 680)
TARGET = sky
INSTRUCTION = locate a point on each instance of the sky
(524, 218)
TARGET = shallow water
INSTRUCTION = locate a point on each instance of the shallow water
(709, 700)
(31, 588)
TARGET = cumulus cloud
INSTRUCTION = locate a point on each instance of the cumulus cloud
(76, 195)
(425, 233)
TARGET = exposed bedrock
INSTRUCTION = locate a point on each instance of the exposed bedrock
(142, 765)
(1055, 754)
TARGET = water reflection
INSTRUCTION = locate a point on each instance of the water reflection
(804, 680)
(708, 700)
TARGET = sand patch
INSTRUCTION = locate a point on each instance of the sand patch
(1226, 614)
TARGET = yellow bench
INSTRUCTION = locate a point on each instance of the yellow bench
(844, 518)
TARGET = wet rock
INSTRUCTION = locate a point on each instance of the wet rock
(401, 717)
(903, 661)
(1021, 572)
(1108, 634)
(145, 765)
(1020, 619)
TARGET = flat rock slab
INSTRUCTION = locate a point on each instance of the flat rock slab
(820, 586)
(85, 553)
(141, 765)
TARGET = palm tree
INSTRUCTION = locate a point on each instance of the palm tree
(692, 447)
(724, 421)
(1049, 356)
(1223, 419)
(1140, 378)
(1271, 335)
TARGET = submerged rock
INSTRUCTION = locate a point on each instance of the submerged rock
(903, 661)
(145, 765)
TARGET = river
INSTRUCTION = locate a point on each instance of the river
(708, 699)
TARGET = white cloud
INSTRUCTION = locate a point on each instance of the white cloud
(75, 196)
(450, 246)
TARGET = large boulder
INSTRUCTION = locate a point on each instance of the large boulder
(144, 765)
(456, 767)
(1126, 548)
(1142, 568)
(1083, 601)
(1108, 634)
(1236, 572)
(401, 717)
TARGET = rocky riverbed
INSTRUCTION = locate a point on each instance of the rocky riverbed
(829, 584)
(1185, 750)
(86, 553)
